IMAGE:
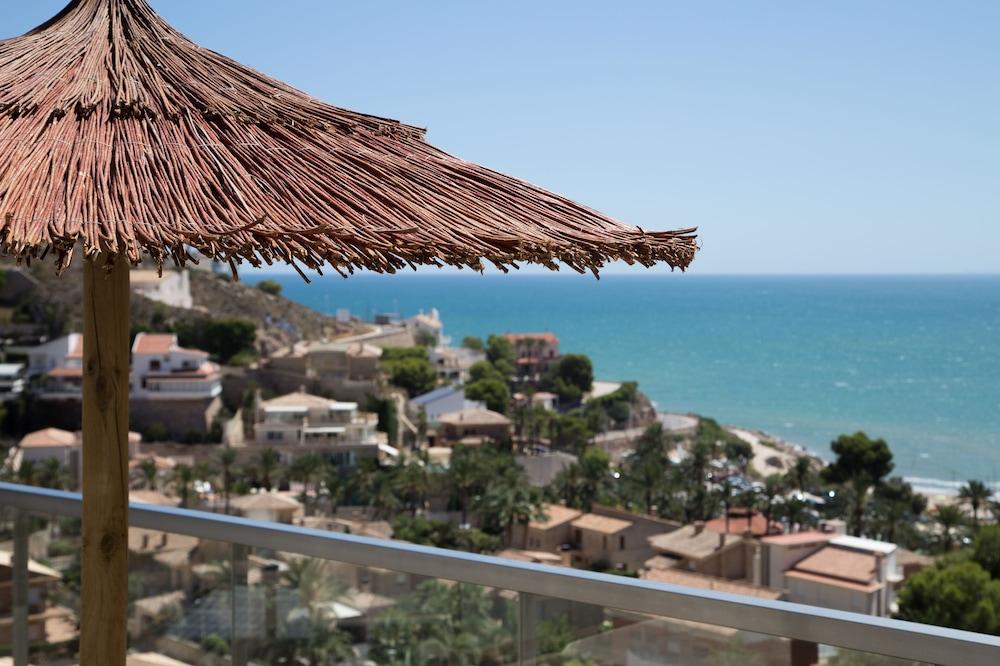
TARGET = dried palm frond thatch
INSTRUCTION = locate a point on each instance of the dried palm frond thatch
(118, 133)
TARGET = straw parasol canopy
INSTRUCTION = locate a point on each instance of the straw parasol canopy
(120, 134)
(121, 137)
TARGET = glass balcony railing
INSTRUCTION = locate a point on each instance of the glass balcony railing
(212, 589)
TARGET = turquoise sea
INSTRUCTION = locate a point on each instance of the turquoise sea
(915, 360)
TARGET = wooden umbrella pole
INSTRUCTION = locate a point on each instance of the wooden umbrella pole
(104, 570)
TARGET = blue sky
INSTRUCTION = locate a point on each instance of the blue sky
(801, 137)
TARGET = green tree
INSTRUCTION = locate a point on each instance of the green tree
(441, 626)
(508, 501)
(862, 463)
(739, 453)
(267, 464)
(307, 469)
(572, 377)
(894, 509)
(468, 473)
(182, 478)
(473, 343)
(500, 350)
(147, 467)
(646, 471)
(949, 517)
(222, 338)
(271, 287)
(156, 432)
(977, 495)
(585, 482)
(986, 550)
(801, 473)
(412, 482)
(493, 392)
(774, 486)
(959, 595)
(388, 418)
(409, 368)
(570, 433)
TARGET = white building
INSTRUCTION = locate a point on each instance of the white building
(163, 370)
(453, 363)
(443, 400)
(11, 380)
(300, 423)
(428, 324)
(53, 443)
(64, 352)
(834, 571)
(173, 288)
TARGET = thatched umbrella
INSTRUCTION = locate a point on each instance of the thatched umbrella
(123, 140)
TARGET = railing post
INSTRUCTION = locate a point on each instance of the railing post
(20, 591)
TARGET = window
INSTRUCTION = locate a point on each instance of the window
(621, 542)
(154, 364)
(273, 435)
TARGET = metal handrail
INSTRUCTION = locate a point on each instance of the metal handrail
(853, 631)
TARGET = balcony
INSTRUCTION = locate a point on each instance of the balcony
(213, 589)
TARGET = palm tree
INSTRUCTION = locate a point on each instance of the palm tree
(508, 501)
(53, 475)
(949, 517)
(306, 469)
(796, 514)
(27, 473)
(227, 458)
(801, 472)
(267, 463)
(976, 494)
(411, 482)
(774, 485)
(148, 469)
(182, 477)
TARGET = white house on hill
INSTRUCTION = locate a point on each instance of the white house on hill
(163, 370)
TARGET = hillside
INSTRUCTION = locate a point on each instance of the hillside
(55, 306)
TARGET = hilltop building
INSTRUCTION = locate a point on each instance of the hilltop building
(56, 444)
(173, 288)
(535, 354)
(835, 571)
(299, 423)
(163, 370)
(443, 400)
(473, 427)
(12, 380)
(346, 369)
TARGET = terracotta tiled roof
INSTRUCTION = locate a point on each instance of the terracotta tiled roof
(739, 521)
(829, 580)
(550, 338)
(47, 438)
(556, 515)
(473, 417)
(154, 343)
(264, 501)
(689, 579)
(65, 373)
(689, 543)
(838, 566)
(603, 524)
(297, 399)
(798, 538)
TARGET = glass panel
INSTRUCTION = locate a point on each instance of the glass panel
(305, 610)
(564, 633)
(38, 608)
(180, 597)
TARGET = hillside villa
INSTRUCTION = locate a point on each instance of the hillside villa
(299, 423)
